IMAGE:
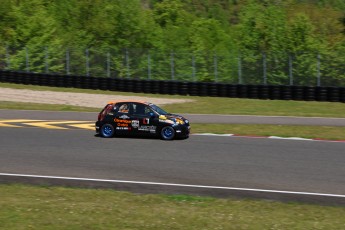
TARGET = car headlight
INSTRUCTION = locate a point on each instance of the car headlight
(179, 121)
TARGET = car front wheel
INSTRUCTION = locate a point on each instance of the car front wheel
(168, 133)
(107, 130)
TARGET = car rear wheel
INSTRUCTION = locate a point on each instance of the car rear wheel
(107, 130)
(168, 133)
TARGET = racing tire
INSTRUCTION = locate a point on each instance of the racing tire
(167, 133)
(107, 131)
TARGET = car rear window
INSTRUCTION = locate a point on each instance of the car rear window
(107, 109)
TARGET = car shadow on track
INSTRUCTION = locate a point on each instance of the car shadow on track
(141, 137)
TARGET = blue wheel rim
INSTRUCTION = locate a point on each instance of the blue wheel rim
(107, 131)
(168, 132)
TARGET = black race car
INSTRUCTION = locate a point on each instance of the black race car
(140, 118)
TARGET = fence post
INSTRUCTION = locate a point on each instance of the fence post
(318, 70)
(290, 69)
(8, 59)
(46, 57)
(193, 67)
(127, 64)
(67, 62)
(148, 65)
(215, 67)
(87, 64)
(27, 60)
(108, 64)
(240, 81)
(172, 66)
(264, 65)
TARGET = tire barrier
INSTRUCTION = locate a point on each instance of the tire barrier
(242, 91)
(232, 91)
(222, 90)
(275, 91)
(333, 94)
(263, 92)
(321, 93)
(272, 92)
(297, 93)
(309, 93)
(342, 94)
(253, 91)
(286, 92)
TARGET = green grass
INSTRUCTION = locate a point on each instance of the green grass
(34, 207)
(236, 106)
(216, 105)
(321, 132)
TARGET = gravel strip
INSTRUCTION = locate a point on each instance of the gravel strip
(76, 99)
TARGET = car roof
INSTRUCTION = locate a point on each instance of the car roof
(128, 101)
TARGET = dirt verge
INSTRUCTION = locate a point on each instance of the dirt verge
(76, 99)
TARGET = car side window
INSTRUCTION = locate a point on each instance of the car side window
(141, 109)
(138, 109)
(148, 110)
(124, 108)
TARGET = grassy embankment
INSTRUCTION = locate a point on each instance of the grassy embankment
(213, 105)
(30, 207)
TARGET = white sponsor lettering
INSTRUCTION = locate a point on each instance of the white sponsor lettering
(122, 128)
(167, 121)
(124, 116)
(148, 128)
(135, 124)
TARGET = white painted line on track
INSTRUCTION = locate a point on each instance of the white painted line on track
(262, 116)
(213, 134)
(175, 185)
(268, 137)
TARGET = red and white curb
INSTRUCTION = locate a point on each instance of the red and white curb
(269, 137)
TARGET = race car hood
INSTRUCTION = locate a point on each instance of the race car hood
(173, 119)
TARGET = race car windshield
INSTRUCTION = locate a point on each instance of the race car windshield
(158, 110)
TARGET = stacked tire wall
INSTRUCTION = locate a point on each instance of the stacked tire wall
(271, 92)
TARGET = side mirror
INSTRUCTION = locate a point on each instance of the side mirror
(152, 115)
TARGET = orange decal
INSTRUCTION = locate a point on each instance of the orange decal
(122, 121)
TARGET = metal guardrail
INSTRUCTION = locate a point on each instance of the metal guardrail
(272, 92)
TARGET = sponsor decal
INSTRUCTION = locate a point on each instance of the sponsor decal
(122, 125)
(148, 128)
(124, 116)
(167, 121)
(135, 124)
(122, 121)
(146, 121)
(123, 128)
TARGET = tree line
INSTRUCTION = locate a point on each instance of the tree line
(309, 34)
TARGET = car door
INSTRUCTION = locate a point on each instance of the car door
(143, 120)
(122, 119)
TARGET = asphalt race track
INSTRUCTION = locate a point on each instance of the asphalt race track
(288, 170)
(194, 118)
